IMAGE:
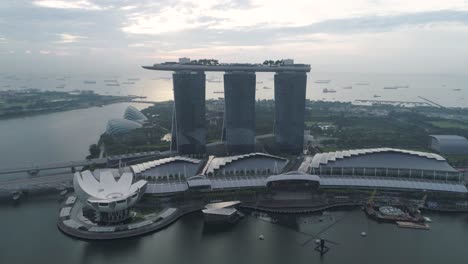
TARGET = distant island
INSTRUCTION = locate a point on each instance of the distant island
(14, 103)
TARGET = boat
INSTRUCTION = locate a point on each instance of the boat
(266, 87)
(128, 83)
(112, 84)
(456, 89)
(362, 83)
(16, 195)
(393, 213)
(376, 96)
(329, 90)
(322, 81)
(133, 79)
(214, 81)
(218, 92)
(110, 81)
(348, 87)
(391, 87)
(89, 82)
(259, 82)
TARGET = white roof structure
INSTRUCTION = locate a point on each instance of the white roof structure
(139, 168)
(293, 176)
(220, 211)
(221, 205)
(218, 163)
(377, 157)
(108, 194)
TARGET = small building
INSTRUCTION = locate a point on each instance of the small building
(221, 213)
(449, 144)
(184, 60)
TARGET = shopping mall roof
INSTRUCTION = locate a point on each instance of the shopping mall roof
(246, 161)
(292, 176)
(138, 168)
(378, 158)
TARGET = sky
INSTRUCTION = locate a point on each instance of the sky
(365, 36)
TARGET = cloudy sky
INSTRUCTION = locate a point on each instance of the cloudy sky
(388, 36)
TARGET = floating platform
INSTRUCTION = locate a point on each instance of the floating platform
(412, 225)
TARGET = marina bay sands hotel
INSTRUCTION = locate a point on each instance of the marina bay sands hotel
(189, 82)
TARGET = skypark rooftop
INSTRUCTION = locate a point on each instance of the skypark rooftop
(289, 66)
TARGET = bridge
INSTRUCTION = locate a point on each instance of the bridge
(34, 169)
(64, 180)
(59, 181)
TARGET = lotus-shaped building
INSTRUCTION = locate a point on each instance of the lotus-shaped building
(109, 197)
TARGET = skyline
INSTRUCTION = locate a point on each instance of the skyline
(364, 36)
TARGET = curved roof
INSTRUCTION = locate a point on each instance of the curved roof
(133, 114)
(107, 194)
(293, 176)
(121, 126)
(450, 144)
(218, 163)
(378, 158)
(138, 168)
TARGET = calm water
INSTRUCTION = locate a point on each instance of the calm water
(54, 137)
(29, 235)
(158, 87)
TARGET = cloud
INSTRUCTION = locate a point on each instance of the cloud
(70, 4)
(45, 52)
(69, 38)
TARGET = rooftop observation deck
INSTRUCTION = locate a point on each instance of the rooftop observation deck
(229, 67)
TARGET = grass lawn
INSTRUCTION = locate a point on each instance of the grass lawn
(449, 124)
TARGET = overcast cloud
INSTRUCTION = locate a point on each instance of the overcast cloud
(391, 36)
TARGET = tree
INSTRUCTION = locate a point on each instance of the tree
(94, 152)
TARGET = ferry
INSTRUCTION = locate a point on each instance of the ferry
(348, 87)
(457, 89)
(266, 87)
(323, 81)
(89, 82)
(376, 96)
(329, 90)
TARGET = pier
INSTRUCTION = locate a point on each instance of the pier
(380, 102)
